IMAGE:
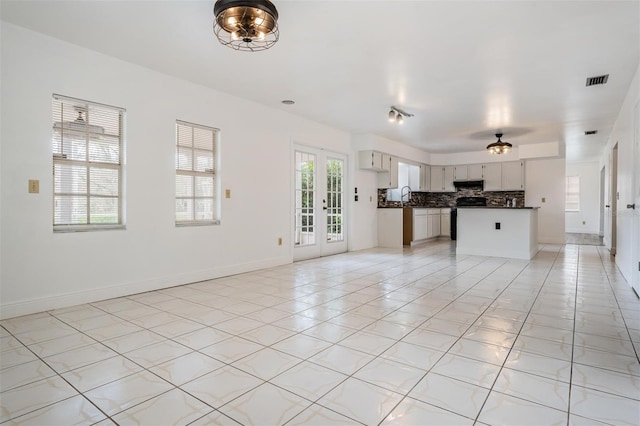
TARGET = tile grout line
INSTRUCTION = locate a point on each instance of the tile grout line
(476, 420)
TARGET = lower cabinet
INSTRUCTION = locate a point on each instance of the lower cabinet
(445, 222)
(419, 224)
(433, 223)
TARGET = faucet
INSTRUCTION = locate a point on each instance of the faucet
(408, 194)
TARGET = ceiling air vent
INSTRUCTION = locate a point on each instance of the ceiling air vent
(601, 79)
(590, 132)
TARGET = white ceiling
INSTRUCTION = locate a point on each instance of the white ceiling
(464, 68)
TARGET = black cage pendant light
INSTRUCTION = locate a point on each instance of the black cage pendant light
(499, 147)
(249, 25)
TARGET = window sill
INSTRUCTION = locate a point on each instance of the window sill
(61, 229)
(200, 223)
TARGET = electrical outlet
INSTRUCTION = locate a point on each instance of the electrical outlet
(34, 186)
(279, 241)
(370, 198)
(544, 200)
(227, 193)
(584, 222)
(497, 225)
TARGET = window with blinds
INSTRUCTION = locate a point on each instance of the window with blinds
(196, 183)
(87, 165)
(572, 195)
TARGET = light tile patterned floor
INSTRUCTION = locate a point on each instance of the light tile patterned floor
(413, 337)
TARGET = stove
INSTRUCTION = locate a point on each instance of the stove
(464, 202)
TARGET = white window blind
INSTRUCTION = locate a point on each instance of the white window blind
(572, 195)
(196, 183)
(87, 165)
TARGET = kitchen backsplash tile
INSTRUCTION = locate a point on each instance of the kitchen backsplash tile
(448, 199)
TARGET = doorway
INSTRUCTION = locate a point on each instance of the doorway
(602, 202)
(320, 215)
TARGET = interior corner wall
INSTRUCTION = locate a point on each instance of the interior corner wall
(43, 270)
(545, 179)
(587, 220)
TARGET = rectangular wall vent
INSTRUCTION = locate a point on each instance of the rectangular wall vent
(601, 79)
(590, 132)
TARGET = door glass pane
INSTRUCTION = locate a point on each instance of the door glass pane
(335, 175)
(305, 232)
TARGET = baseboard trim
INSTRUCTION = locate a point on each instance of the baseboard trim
(31, 306)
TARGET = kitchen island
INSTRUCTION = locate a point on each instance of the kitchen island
(498, 231)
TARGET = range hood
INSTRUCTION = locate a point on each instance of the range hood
(469, 184)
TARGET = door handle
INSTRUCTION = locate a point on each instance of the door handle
(607, 206)
(324, 207)
(631, 206)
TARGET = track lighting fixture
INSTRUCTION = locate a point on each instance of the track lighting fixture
(397, 115)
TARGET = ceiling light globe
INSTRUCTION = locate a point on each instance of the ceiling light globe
(400, 119)
(392, 116)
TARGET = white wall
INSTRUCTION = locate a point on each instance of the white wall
(545, 178)
(256, 144)
(628, 164)
(589, 173)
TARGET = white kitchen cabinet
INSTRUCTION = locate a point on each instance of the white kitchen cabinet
(425, 177)
(390, 228)
(442, 179)
(371, 160)
(433, 223)
(420, 224)
(445, 222)
(460, 172)
(448, 179)
(415, 177)
(388, 178)
(437, 179)
(492, 175)
(474, 172)
(513, 176)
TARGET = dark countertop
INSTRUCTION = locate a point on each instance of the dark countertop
(497, 207)
(413, 207)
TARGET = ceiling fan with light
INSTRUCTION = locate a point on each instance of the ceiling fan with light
(499, 147)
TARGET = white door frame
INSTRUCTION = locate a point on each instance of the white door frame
(320, 245)
(635, 217)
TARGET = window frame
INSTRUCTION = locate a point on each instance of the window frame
(59, 158)
(575, 205)
(215, 157)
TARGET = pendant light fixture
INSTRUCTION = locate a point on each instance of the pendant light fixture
(248, 25)
(397, 115)
(499, 147)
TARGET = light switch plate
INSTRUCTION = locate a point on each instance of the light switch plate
(544, 200)
(34, 186)
(227, 193)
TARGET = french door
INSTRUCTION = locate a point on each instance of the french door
(320, 215)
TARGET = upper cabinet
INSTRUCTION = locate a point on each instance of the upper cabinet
(475, 172)
(513, 176)
(425, 177)
(492, 176)
(414, 177)
(442, 179)
(373, 160)
(385, 164)
(389, 176)
(460, 173)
